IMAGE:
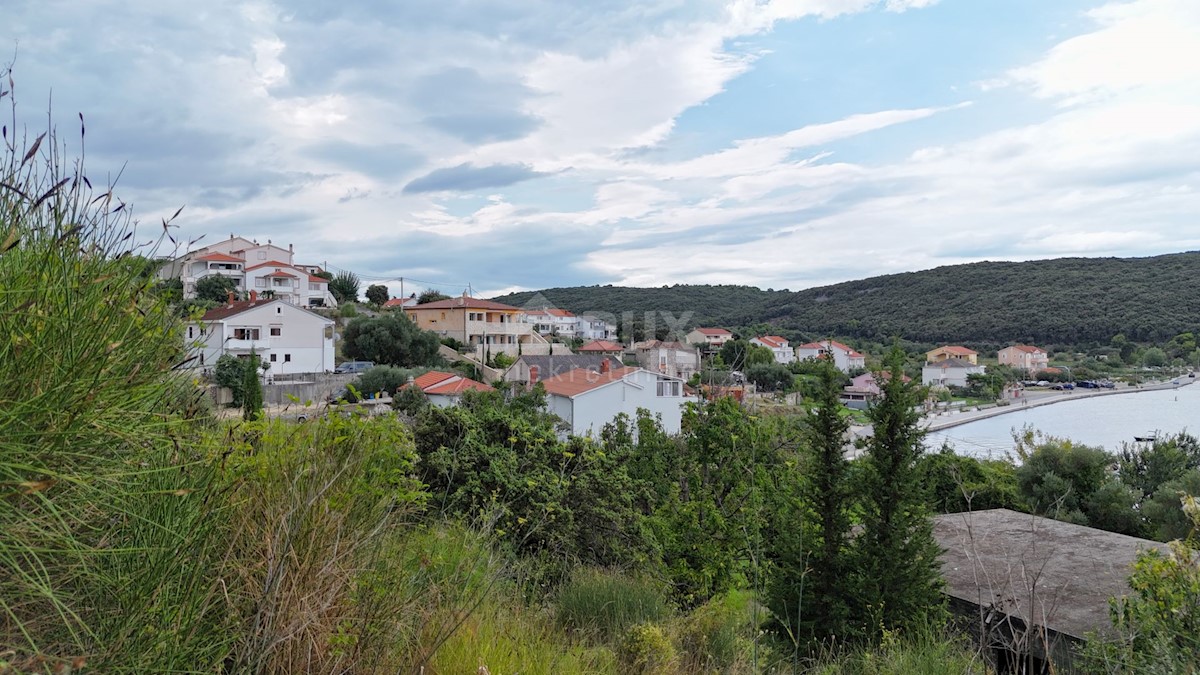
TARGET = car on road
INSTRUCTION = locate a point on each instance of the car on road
(1065, 386)
(1087, 384)
(1043, 383)
(354, 367)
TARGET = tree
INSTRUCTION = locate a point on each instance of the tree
(739, 354)
(392, 339)
(327, 276)
(216, 288)
(431, 295)
(344, 287)
(809, 592)
(377, 294)
(898, 556)
(1154, 358)
(252, 394)
(770, 376)
(230, 372)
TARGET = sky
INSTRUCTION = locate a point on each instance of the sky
(526, 144)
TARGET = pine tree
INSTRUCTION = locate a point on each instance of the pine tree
(252, 394)
(809, 590)
(900, 578)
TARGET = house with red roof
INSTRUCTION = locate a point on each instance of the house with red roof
(778, 346)
(605, 347)
(952, 352)
(1025, 357)
(488, 327)
(712, 339)
(287, 337)
(267, 269)
(587, 399)
(844, 357)
(445, 389)
(551, 321)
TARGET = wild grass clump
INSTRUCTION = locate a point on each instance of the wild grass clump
(719, 635)
(604, 604)
(931, 651)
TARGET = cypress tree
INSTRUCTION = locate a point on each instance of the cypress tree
(252, 394)
(809, 592)
(900, 575)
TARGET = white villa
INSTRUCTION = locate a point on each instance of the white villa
(266, 269)
(288, 337)
(779, 347)
(588, 399)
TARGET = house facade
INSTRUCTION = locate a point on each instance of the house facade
(864, 389)
(288, 337)
(531, 369)
(1025, 357)
(589, 399)
(778, 346)
(267, 269)
(488, 327)
(952, 352)
(673, 359)
(605, 347)
(711, 339)
(844, 357)
(949, 372)
(590, 327)
(551, 321)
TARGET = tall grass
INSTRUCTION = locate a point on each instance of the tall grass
(604, 604)
(89, 407)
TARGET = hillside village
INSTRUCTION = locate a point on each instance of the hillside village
(284, 313)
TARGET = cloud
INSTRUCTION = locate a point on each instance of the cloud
(467, 177)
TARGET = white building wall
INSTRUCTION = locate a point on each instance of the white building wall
(304, 344)
(934, 373)
(590, 411)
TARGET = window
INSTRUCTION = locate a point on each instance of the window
(262, 255)
(669, 388)
(276, 331)
(472, 316)
(287, 358)
(245, 333)
(260, 283)
(314, 287)
(273, 359)
(189, 332)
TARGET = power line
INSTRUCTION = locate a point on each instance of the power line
(381, 277)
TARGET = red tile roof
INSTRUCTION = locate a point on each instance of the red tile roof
(957, 349)
(431, 378)
(1028, 349)
(832, 344)
(713, 331)
(773, 341)
(317, 280)
(578, 381)
(220, 257)
(396, 302)
(601, 346)
(236, 307)
(271, 263)
(458, 386)
(465, 303)
(551, 311)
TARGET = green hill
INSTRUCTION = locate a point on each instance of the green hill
(1065, 301)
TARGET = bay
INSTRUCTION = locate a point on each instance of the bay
(1105, 421)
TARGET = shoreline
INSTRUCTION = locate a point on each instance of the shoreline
(960, 418)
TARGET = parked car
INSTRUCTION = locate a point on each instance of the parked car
(1064, 386)
(1088, 384)
(1043, 383)
(354, 367)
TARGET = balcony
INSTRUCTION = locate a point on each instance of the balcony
(259, 345)
(498, 328)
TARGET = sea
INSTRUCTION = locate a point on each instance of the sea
(1104, 421)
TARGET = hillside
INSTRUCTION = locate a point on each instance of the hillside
(1065, 301)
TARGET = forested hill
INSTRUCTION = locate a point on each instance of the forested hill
(1065, 301)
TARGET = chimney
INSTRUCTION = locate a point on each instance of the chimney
(230, 297)
(253, 296)
(604, 366)
(291, 249)
(534, 374)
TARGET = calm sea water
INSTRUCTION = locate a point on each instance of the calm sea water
(1106, 421)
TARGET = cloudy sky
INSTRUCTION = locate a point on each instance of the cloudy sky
(520, 144)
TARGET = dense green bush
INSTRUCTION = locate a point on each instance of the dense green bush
(392, 340)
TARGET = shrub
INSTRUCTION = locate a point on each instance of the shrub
(605, 604)
(719, 635)
(645, 649)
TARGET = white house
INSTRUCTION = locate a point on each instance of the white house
(588, 399)
(711, 338)
(589, 327)
(950, 372)
(778, 346)
(288, 337)
(844, 357)
(265, 268)
(551, 321)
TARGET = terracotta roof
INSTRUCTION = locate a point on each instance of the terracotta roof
(831, 344)
(581, 380)
(1028, 349)
(278, 273)
(236, 307)
(431, 378)
(772, 341)
(220, 257)
(601, 346)
(550, 365)
(457, 386)
(952, 363)
(957, 349)
(467, 303)
(551, 311)
(271, 263)
(713, 331)
(317, 280)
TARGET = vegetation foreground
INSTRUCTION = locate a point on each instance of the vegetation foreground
(139, 534)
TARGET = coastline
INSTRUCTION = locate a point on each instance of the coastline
(955, 419)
